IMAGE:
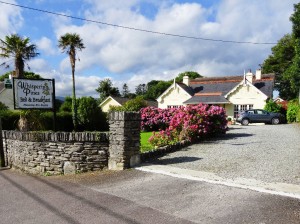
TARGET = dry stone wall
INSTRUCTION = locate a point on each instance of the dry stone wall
(56, 153)
(71, 152)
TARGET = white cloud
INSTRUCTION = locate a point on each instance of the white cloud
(38, 65)
(11, 19)
(46, 45)
(84, 85)
(122, 50)
(151, 56)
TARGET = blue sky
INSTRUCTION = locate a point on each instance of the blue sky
(134, 57)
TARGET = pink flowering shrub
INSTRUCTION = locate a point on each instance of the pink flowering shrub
(154, 119)
(191, 123)
(163, 138)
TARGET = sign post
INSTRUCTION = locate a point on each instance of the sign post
(2, 160)
(35, 94)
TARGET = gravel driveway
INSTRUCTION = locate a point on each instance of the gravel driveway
(270, 153)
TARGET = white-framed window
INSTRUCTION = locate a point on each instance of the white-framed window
(241, 107)
(173, 106)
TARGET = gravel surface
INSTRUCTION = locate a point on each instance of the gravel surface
(270, 153)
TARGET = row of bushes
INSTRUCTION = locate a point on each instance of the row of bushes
(189, 123)
(37, 120)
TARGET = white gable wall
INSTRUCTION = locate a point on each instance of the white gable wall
(246, 95)
(109, 102)
(173, 97)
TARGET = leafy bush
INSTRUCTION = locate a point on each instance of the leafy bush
(90, 116)
(272, 106)
(63, 121)
(66, 105)
(131, 105)
(135, 104)
(9, 119)
(192, 123)
(116, 108)
(292, 111)
(3, 106)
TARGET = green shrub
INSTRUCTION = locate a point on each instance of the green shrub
(131, 105)
(9, 119)
(293, 111)
(116, 108)
(272, 106)
(63, 121)
(90, 115)
(3, 106)
(135, 104)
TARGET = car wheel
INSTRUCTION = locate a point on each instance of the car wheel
(275, 120)
(245, 122)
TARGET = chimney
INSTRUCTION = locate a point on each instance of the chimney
(249, 76)
(186, 80)
(258, 74)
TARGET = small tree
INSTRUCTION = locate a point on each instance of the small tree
(125, 90)
(107, 89)
(66, 105)
(190, 74)
(90, 115)
(140, 89)
(18, 48)
(70, 43)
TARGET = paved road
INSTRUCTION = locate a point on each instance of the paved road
(190, 186)
(134, 196)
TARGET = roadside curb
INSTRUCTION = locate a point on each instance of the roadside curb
(4, 168)
(281, 189)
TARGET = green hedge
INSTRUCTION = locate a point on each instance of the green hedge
(43, 120)
(63, 121)
(293, 111)
(9, 119)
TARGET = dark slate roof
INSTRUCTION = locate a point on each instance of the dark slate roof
(266, 86)
(120, 100)
(188, 89)
(152, 103)
(212, 90)
(223, 88)
(224, 85)
(207, 100)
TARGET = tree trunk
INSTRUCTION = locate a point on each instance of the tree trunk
(74, 106)
(19, 66)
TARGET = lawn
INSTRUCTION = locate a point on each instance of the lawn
(145, 145)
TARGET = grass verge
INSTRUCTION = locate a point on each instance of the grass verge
(145, 145)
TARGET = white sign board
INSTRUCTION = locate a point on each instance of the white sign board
(33, 93)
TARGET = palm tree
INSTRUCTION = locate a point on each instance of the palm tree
(18, 48)
(70, 43)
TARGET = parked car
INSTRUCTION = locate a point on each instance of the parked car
(259, 116)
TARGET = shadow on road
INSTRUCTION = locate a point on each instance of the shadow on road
(176, 160)
(68, 218)
(227, 136)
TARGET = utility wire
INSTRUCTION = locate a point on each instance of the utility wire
(137, 29)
